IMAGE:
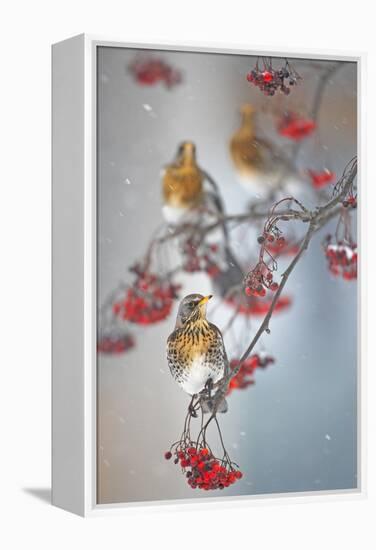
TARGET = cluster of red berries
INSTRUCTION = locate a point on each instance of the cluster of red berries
(342, 258)
(256, 306)
(259, 280)
(280, 246)
(294, 127)
(269, 81)
(275, 244)
(244, 377)
(148, 300)
(200, 258)
(202, 469)
(321, 179)
(115, 343)
(148, 72)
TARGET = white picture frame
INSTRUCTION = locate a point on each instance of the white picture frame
(74, 277)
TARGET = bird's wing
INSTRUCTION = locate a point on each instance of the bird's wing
(221, 347)
(172, 352)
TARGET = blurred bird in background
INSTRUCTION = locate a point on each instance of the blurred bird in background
(245, 149)
(189, 192)
(260, 167)
(191, 195)
(182, 184)
(196, 353)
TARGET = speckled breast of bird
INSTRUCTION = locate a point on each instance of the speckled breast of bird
(195, 355)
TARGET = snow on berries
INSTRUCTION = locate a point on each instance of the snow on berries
(342, 258)
(351, 201)
(149, 300)
(340, 249)
(269, 80)
(201, 468)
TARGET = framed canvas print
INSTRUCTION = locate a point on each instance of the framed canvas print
(206, 297)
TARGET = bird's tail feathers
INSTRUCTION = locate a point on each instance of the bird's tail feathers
(207, 405)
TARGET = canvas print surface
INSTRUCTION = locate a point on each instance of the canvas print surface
(227, 275)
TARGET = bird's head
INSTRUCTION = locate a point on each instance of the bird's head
(247, 113)
(186, 153)
(191, 308)
(247, 110)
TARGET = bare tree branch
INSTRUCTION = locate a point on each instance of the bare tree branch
(317, 219)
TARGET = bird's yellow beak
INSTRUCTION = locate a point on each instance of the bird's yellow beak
(205, 300)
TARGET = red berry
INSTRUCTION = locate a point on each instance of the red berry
(168, 455)
(274, 286)
(267, 76)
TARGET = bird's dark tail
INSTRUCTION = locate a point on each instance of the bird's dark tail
(207, 405)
